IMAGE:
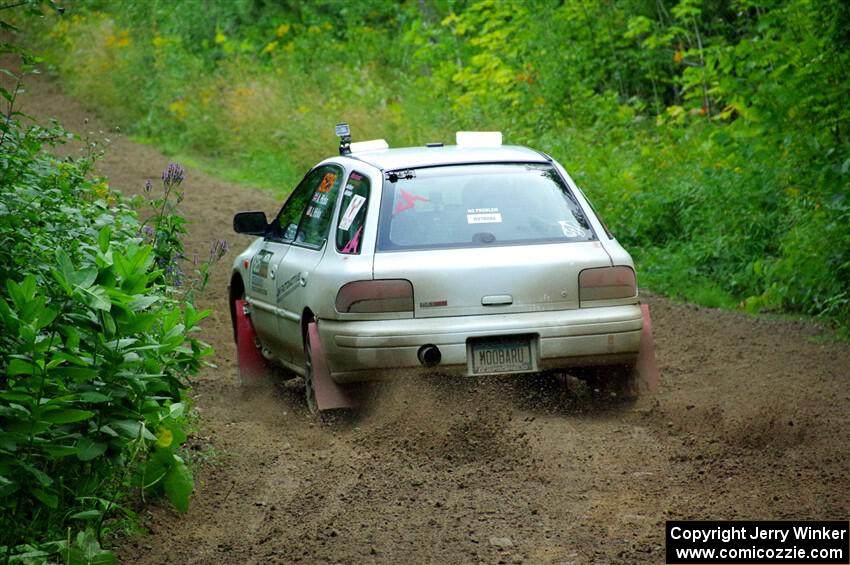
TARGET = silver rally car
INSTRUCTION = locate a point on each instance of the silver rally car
(472, 259)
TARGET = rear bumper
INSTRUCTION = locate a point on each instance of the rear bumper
(374, 350)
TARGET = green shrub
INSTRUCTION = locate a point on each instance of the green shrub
(95, 350)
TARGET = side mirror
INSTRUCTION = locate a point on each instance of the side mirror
(250, 223)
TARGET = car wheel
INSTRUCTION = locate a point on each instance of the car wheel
(309, 387)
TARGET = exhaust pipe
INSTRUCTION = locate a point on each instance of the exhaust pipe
(429, 355)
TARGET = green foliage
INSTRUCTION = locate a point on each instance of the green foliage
(713, 135)
(95, 350)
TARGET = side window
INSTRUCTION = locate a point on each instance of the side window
(316, 220)
(303, 200)
(352, 214)
(290, 214)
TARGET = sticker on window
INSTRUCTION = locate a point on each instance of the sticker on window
(483, 216)
(354, 244)
(571, 228)
(327, 182)
(408, 201)
(351, 212)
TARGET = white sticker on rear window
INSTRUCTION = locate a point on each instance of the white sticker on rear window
(571, 228)
(483, 216)
(351, 212)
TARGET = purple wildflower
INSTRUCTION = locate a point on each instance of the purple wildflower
(173, 174)
(148, 186)
(218, 249)
(173, 273)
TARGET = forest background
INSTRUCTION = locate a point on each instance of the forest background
(712, 135)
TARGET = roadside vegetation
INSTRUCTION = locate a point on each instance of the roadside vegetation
(97, 344)
(712, 135)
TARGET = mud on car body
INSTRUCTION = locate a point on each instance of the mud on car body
(472, 259)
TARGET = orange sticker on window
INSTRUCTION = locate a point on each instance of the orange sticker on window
(327, 182)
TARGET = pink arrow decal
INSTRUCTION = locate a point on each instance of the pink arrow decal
(408, 201)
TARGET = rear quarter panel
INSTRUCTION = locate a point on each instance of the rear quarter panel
(336, 269)
(619, 256)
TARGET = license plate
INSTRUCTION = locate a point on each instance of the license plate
(501, 355)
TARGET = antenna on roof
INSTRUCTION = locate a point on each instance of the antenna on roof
(344, 134)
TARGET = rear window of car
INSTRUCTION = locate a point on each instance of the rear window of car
(480, 205)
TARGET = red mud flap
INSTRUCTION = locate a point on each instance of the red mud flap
(250, 362)
(647, 370)
(329, 395)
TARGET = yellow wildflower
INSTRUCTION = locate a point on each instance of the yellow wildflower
(282, 30)
(270, 47)
(206, 95)
(101, 189)
(164, 437)
(178, 110)
(123, 40)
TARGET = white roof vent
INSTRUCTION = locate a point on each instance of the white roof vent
(371, 145)
(479, 138)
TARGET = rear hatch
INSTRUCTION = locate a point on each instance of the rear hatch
(485, 238)
(493, 280)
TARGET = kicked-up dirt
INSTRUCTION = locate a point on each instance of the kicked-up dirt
(751, 422)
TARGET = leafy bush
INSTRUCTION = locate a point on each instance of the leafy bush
(95, 350)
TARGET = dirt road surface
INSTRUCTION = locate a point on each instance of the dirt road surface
(751, 422)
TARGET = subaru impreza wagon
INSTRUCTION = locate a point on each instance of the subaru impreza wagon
(472, 259)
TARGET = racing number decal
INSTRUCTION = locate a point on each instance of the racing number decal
(327, 182)
(260, 271)
(260, 263)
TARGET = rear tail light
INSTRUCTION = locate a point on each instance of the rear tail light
(607, 283)
(390, 295)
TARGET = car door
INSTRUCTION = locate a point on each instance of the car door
(261, 292)
(305, 251)
(264, 278)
